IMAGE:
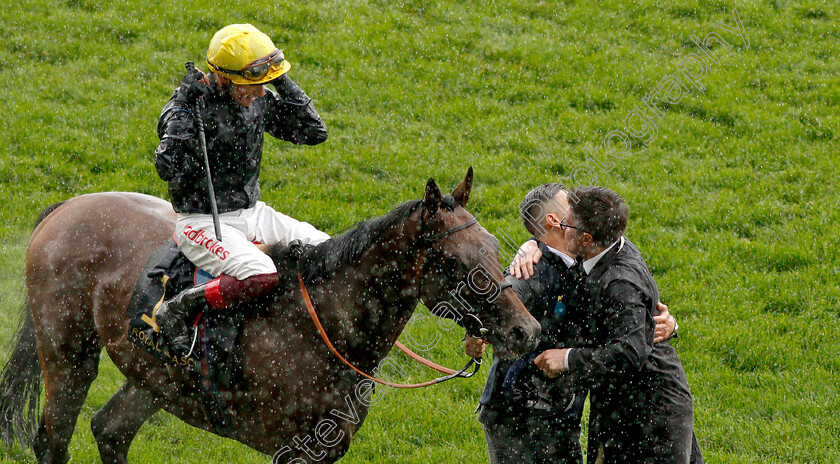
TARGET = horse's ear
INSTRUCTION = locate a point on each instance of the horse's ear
(462, 191)
(433, 196)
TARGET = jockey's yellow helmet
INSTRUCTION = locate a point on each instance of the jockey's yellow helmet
(246, 56)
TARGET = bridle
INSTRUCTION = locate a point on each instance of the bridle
(472, 322)
(426, 241)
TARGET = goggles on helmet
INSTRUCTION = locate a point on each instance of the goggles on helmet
(257, 69)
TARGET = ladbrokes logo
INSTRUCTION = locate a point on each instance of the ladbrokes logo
(198, 237)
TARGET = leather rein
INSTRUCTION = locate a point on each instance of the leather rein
(450, 373)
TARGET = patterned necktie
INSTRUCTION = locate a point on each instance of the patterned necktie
(577, 270)
(578, 283)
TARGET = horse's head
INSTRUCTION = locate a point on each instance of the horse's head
(460, 275)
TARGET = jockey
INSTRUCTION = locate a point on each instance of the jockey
(236, 109)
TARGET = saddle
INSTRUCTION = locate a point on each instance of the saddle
(213, 359)
(167, 273)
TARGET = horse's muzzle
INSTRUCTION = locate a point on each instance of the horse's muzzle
(518, 333)
(523, 338)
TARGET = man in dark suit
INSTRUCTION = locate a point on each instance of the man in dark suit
(641, 407)
(529, 418)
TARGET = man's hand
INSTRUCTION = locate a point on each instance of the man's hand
(665, 324)
(193, 84)
(552, 362)
(523, 263)
(474, 347)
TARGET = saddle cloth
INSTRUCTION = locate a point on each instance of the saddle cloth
(167, 273)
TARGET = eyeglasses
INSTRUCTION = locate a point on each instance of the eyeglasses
(564, 226)
(257, 69)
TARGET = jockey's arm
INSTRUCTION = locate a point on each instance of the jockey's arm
(175, 154)
(291, 115)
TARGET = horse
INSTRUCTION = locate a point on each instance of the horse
(301, 403)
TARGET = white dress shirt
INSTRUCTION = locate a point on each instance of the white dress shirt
(590, 263)
(566, 258)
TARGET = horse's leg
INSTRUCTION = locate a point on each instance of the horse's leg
(68, 350)
(69, 369)
(115, 425)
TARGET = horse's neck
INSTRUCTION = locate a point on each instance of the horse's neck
(372, 301)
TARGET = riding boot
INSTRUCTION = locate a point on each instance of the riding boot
(171, 317)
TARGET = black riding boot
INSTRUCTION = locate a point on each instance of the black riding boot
(171, 317)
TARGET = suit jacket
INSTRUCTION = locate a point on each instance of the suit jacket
(550, 296)
(634, 384)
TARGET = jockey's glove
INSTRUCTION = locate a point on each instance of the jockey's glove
(192, 88)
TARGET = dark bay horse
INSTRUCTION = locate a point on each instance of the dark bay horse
(301, 404)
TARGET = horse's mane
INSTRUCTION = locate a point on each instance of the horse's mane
(321, 261)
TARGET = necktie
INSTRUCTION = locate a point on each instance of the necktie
(578, 281)
(577, 270)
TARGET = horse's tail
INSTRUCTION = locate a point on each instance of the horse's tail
(47, 212)
(20, 387)
(20, 380)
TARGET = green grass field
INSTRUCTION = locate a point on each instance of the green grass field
(733, 202)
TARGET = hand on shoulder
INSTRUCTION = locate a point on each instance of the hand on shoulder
(528, 255)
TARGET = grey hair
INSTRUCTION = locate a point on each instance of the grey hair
(536, 204)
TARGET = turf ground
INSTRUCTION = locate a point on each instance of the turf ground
(733, 199)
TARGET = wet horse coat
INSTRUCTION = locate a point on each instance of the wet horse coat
(84, 258)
